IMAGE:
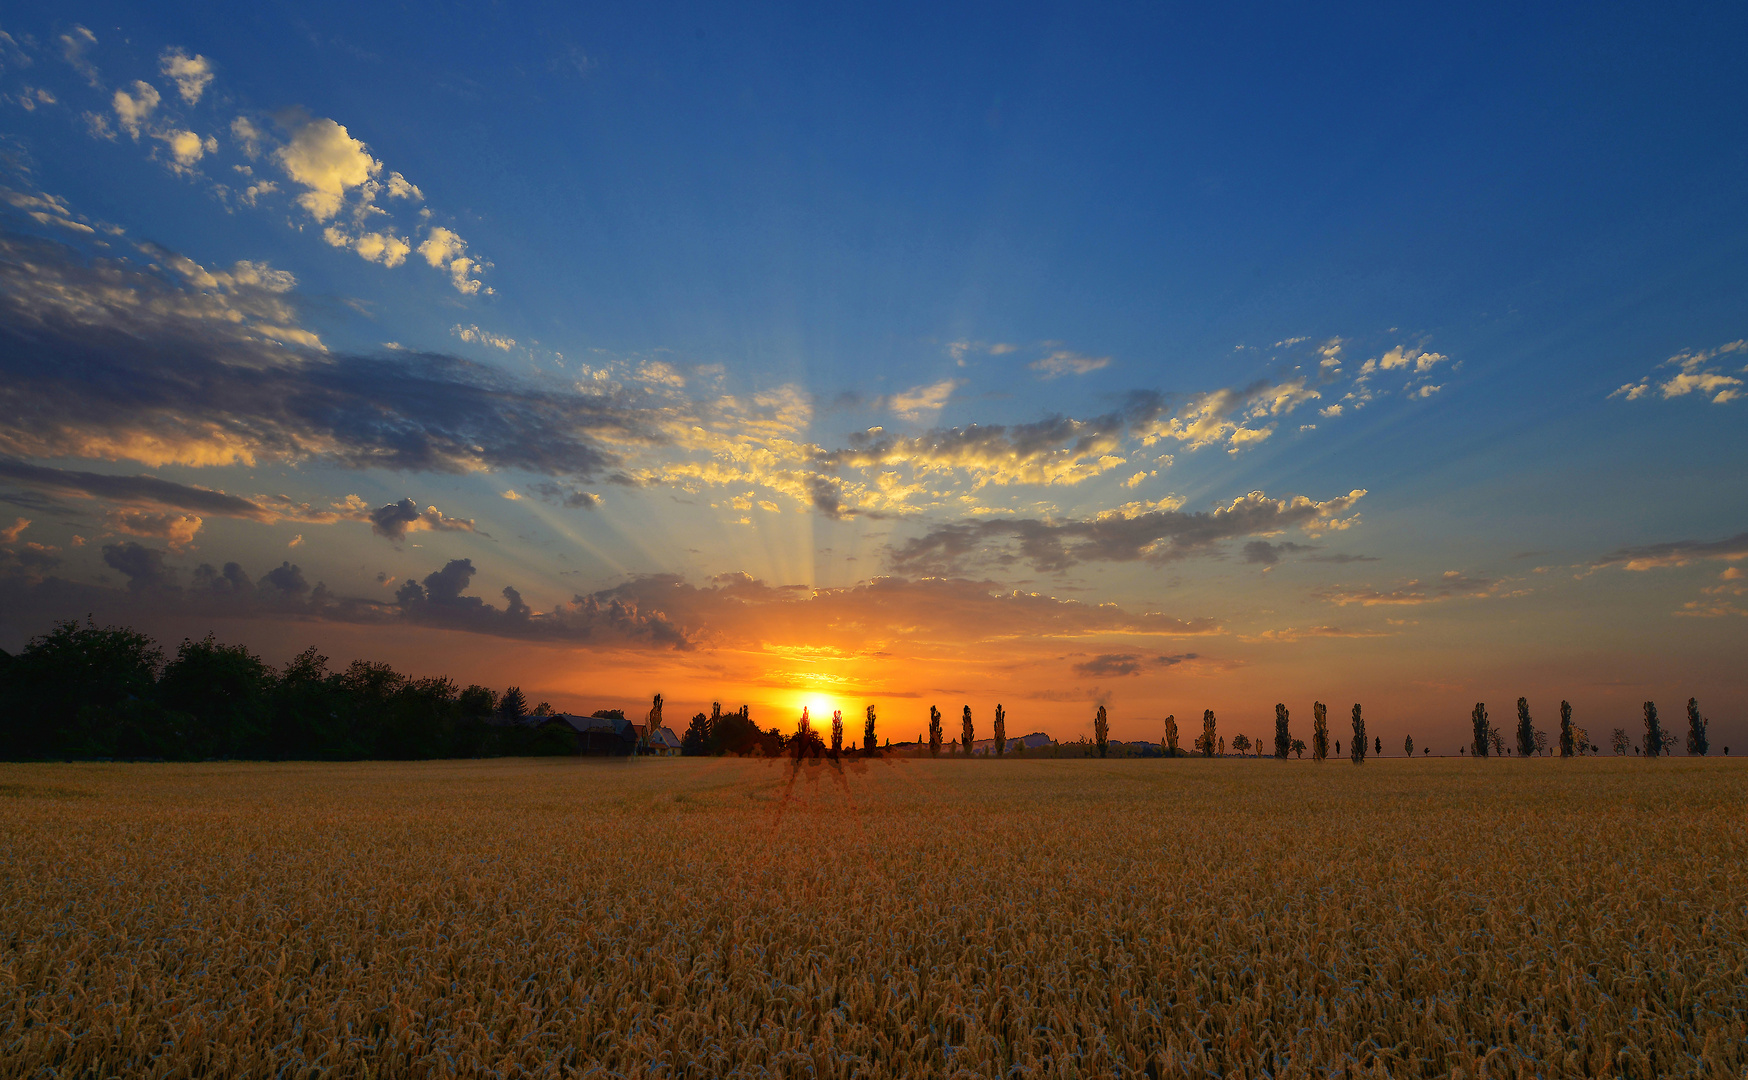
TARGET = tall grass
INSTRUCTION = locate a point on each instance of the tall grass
(554, 918)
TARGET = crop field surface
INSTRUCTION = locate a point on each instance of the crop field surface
(724, 918)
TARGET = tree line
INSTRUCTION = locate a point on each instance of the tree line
(85, 692)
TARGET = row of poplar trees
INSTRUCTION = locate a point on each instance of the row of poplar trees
(968, 731)
(1207, 742)
(1574, 740)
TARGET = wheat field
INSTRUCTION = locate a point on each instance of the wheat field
(726, 918)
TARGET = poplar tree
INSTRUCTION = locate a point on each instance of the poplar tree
(1653, 731)
(1567, 742)
(837, 732)
(934, 732)
(1001, 731)
(965, 731)
(1358, 748)
(1696, 730)
(1478, 720)
(1283, 738)
(1526, 731)
(1171, 735)
(1101, 729)
(1208, 738)
(1319, 732)
(1408, 746)
(868, 743)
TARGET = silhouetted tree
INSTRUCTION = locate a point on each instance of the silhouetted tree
(1320, 732)
(652, 723)
(1653, 731)
(1478, 720)
(1358, 747)
(1568, 745)
(1101, 729)
(696, 741)
(1171, 735)
(84, 691)
(1696, 730)
(1299, 748)
(222, 690)
(1378, 745)
(1241, 742)
(837, 732)
(1619, 743)
(512, 706)
(1001, 731)
(869, 743)
(1496, 740)
(966, 732)
(1526, 731)
(1408, 745)
(1207, 743)
(1283, 737)
(934, 732)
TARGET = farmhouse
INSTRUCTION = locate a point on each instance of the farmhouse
(611, 735)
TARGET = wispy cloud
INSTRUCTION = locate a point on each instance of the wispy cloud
(1695, 373)
(1675, 553)
(1152, 535)
(1452, 585)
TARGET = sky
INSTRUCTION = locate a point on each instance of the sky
(1149, 356)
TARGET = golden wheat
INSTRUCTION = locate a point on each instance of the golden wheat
(920, 918)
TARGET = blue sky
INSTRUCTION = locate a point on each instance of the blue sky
(1090, 273)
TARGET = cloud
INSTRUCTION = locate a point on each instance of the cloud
(143, 566)
(1289, 634)
(379, 247)
(12, 532)
(396, 520)
(1056, 450)
(574, 498)
(1063, 362)
(327, 162)
(1113, 665)
(191, 73)
(1453, 584)
(132, 111)
(186, 148)
(445, 249)
(909, 404)
(177, 529)
(248, 138)
(105, 360)
(474, 335)
(75, 45)
(1695, 374)
(1675, 553)
(148, 490)
(1154, 535)
(1266, 554)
